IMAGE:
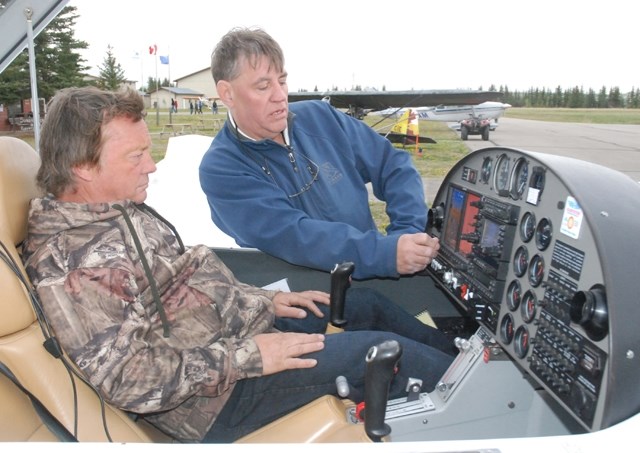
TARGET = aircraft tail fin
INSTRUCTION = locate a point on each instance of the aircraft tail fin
(402, 125)
(408, 126)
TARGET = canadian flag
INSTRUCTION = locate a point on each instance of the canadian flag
(153, 49)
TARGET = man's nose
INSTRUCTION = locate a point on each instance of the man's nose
(150, 165)
(280, 93)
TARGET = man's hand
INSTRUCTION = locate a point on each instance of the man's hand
(415, 252)
(282, 351)
(285, 303)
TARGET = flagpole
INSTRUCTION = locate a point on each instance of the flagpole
(141, 71)
(155, 57)
(169, 71)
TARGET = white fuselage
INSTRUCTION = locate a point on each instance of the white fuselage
(487, 110)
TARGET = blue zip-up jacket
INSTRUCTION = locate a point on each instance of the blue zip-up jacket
(307, 203)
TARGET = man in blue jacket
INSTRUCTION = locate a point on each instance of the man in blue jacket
(291, 180)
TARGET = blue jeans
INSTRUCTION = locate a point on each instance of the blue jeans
(371, 318)
(367, 309)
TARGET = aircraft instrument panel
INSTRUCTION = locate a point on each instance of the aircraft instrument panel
(544, 252)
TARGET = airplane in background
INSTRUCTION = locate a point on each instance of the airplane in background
(457, 113)
(472, 110)
(469, 119)
(361, 103)
(476, 119)
(407, 130)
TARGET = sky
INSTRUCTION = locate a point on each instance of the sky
(423, 44)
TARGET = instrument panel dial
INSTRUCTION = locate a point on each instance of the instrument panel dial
(528, 307)
(520, 261)
(536, 270)
(514, 295)
(527, 226)
(544, 233)
(519, 178)
(502, 174)
(507, 328)
(485, 172)
(521, 344)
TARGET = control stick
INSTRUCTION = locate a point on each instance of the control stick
(381, 366)
(340, 282)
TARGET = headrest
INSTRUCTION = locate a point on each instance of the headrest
(19, 164)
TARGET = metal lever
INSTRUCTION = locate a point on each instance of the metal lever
(340, 282)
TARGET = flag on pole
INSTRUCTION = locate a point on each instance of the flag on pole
(164, 59)
(153, 49)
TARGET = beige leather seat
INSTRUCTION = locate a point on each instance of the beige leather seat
(47, 378)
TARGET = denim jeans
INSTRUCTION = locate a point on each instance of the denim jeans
(371, 320)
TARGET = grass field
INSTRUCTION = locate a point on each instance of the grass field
(597, 116)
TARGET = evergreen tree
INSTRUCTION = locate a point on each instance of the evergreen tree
(602, 98)
(152, 84)
(111, 73)
(58, 63)
(633, 98)
(615, 98)
(592, 100)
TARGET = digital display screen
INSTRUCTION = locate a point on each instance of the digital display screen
(490, 234)
(455, 207)
(462, 209)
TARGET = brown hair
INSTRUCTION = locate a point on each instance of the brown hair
(250, 43)
(72, 131)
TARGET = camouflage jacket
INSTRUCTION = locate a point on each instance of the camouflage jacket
(83, 261)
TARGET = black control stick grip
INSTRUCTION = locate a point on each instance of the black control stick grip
(340, 282)
(381, 364)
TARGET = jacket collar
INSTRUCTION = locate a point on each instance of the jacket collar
(241, 134)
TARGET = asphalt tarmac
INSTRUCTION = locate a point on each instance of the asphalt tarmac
(612, 145)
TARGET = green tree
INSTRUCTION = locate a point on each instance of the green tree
(111, 73)
(58, 63)
(603, 99)
(615, 98)
(592, 99)
(154, 84)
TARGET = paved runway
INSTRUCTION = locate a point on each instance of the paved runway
(612, 145)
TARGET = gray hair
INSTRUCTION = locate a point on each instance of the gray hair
(250, 43)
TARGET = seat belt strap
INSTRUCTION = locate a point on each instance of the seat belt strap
(53, 424)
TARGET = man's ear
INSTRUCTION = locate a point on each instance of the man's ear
(225, 91)
(83, 172)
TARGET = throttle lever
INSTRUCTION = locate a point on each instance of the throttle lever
(340, 282)
(381, 366)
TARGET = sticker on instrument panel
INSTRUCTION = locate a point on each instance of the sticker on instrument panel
(571, 218)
